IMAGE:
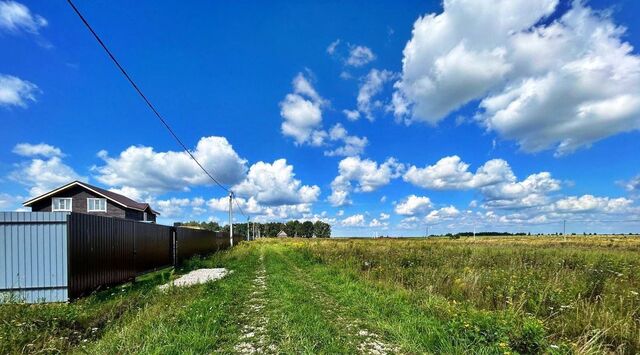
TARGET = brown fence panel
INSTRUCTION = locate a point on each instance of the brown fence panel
(153, 246)
(191, 242)
(100, 252)
(105, 251)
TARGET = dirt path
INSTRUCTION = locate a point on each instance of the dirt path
(366, 340)
(254, 330)
(255, 322)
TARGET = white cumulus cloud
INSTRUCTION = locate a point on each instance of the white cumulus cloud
(367, 174)
(532, 191)
(375, 223)
(561, 84)
(351, 145)
(41, 175)
(371, 85)
(632, 185)
(442, 214)
(451, 173)
(353, 221)
(494, 180)
(331, 48)
(177, 207)
(16, 92)
(41, 149)
(16, 17)
(144, 169)
(10, 202)
(302, 113)
(260, 212)
(275, 184)
(359, 56)
(352, 115)
(590, 203)
(413, 205)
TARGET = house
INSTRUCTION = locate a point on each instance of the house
(282, 234)
(84, 198)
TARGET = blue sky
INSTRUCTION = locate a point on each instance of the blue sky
(507, 116)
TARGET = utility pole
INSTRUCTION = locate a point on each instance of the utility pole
(247, 236)
(231, 217)
(564, 229)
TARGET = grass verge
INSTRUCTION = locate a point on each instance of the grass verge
(360, 296)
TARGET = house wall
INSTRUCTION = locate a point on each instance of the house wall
(79, 204)
(134, 215)
(139, 215)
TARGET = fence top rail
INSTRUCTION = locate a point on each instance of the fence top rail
(119, 219)
(33, 217)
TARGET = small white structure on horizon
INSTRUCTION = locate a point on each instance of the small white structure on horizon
(282, 234)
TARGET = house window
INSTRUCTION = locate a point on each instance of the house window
(96, 205)
(61, 204)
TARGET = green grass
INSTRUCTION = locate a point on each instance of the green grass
(584, 291)
(137, 310)
(413, 322)
(60, 327)
(486, 296)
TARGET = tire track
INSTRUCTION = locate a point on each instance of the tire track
(254, 331)
(366, 340)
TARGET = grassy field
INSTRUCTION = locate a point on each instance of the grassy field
(484, 295)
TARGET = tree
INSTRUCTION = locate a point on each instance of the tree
(210, 226)
(291, 228)
(306, 229)
(321, 229)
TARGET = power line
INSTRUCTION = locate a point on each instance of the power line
(124, 72)
(237, 204)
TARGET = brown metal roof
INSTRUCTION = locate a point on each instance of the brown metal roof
(120, 199)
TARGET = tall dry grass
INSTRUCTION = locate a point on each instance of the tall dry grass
(585, 290)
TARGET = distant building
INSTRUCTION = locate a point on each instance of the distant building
(84, 198)
(282, 234)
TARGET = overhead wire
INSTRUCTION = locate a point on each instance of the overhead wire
(237, 204)
(148, 102)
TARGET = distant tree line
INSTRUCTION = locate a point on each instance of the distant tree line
(294, 228)
(210, 226)
(486, 234)
(478, 234)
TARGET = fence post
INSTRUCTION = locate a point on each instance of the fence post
(135, 252)
(231, 218)
(174, 246)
